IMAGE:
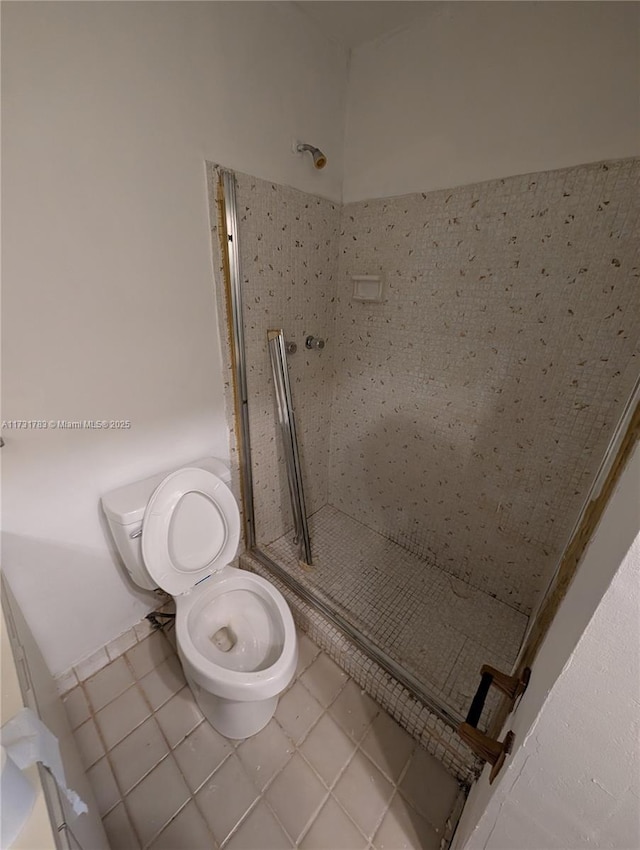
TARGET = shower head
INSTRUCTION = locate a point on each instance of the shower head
(319, 159)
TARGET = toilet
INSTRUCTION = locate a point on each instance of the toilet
(235, 634)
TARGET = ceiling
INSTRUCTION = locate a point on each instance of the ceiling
(353, 22)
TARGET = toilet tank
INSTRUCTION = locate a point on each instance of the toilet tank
(125, 507)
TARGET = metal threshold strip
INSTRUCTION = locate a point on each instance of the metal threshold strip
(410, 682)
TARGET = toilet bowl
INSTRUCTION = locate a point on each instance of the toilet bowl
(235, 634)
(237, 683)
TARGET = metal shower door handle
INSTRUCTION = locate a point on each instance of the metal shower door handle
(286, 418)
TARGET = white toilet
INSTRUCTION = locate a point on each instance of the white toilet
(235, 634)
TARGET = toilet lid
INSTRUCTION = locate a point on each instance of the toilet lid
(190, 529)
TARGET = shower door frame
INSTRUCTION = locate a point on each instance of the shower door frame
(625, 436)
(229, 244)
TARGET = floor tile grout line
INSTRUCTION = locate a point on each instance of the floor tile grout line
(74, 733)
(357, 748)
(194, 794)
(94, 675)
(262, 794)
(342, 686)
(107, 756)
(131, 670)
(395, 793)
(139, 690)
(342, 808)
(332, 785)
(394, 786)
(108, 760)
(382, 770)
(243, 818)
(405, 798)
(123, 796)
(311, 821)
(165, 825)
(142, 778)
(170, 752)
(356, 744)
(73, 668)
(210, 775)
(298, 750)
(138, 679)
(277, 819)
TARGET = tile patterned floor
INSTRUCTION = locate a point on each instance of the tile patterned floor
(437, 627)
(331, 771)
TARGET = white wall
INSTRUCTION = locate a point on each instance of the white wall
(473, 91)
(573, 781)
(109, 112)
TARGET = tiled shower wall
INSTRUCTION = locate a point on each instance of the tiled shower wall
(473, 406)
(288, 257)
(466, 415)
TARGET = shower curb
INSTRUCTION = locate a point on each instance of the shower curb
(433, 734)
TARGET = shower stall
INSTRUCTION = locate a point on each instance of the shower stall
(448, 432)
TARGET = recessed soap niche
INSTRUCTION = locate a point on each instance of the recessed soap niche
(368, 287)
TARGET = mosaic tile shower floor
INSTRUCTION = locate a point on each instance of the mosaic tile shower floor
(331, 771)
(438, 628)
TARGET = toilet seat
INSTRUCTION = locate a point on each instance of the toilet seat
(235, 634)
(190, 530)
